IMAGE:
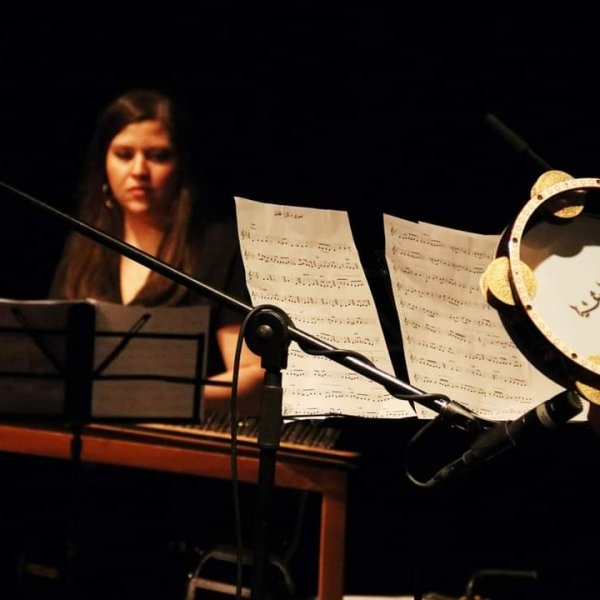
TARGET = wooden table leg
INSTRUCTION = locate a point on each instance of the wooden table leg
(332, 542)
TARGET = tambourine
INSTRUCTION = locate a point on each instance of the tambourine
(545, 281)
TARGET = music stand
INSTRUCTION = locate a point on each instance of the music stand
(70, 363)
(77, 361)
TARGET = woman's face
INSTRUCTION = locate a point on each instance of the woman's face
(142, 169)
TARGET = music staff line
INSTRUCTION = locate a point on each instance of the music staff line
(266, 297)
(312, 263)
(449, 366)
(448, 384)
(425, 240)
(290, 242)
(467, 341)
(305, 281)
(437, 261)
(472, 324)
(433, 278)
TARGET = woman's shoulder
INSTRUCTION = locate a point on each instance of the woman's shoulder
(218, 261)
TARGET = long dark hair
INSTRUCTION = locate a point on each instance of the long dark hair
(85, 267)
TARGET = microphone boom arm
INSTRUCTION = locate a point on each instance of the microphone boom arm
(461, 416)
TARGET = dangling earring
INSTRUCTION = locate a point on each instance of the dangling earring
(108, 201)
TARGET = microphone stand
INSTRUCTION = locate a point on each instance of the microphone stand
(269, 335)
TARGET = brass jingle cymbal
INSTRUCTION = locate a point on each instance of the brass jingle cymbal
(589, 392)
(564, 206)
(495, 281)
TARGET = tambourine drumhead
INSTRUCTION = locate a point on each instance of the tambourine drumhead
(564, 259)
(558, 326)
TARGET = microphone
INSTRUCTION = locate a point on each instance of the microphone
(517, 143)
(503, 436)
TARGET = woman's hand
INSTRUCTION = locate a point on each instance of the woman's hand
(250, 377)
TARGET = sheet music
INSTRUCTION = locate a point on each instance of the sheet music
(304, 261)
(454, 342)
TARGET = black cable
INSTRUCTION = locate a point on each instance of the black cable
(412, 442)
(477, 427)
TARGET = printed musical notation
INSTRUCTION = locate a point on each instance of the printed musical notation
(454, 341)
(304, 261)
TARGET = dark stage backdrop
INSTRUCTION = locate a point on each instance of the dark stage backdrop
(364, 108)
(369, 108)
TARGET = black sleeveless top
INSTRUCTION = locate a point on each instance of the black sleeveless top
(219, 266)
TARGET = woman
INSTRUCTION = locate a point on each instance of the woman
(137, 185)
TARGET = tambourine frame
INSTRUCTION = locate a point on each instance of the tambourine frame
(579, 368)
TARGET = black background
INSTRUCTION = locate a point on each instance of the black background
(368, 107)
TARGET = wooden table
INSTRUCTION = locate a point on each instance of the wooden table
(298, 467)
